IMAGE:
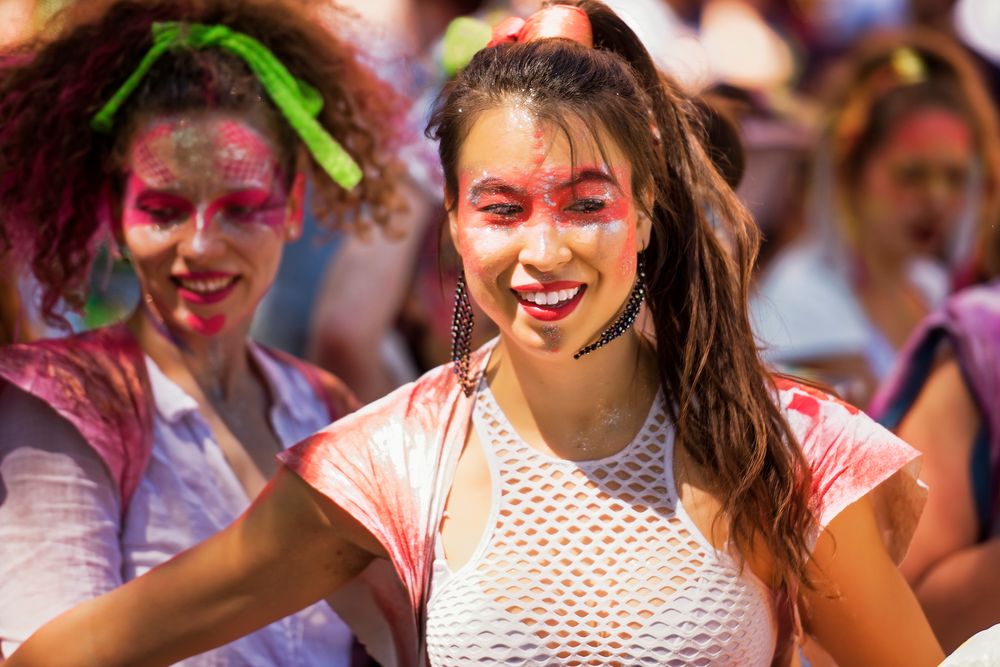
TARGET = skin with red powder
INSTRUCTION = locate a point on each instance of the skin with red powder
(549, 237)
(204, 218)
(914, 188)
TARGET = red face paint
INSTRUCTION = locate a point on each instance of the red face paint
(544, 221)
(586, 195)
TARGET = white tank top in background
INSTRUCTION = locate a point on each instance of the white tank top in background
(593, 563)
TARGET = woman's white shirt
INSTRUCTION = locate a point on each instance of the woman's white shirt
(63, 539)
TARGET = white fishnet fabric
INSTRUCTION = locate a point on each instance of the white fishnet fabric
(593, 563)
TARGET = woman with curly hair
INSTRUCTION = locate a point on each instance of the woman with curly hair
(574, 492)
(184, 132)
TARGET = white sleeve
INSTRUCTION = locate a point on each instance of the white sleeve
(60, 517)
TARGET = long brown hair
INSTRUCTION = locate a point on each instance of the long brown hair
(721, 396)
(59, 179)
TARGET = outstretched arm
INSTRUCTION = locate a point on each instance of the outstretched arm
(292, 548)
(862, 611)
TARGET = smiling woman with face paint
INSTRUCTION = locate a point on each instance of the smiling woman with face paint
(575, 492)
(183, 132)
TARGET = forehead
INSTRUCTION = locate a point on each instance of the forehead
(931, 128)
(512, 138)
(202, 148)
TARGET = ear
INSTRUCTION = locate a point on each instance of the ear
(296, 207)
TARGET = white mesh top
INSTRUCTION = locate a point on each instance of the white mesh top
(593, 563)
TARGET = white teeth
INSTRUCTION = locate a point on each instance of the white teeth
(206, 286)
(550, 298)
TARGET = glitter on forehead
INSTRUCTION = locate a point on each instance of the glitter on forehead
(145, 159)
(245, 156)
(225, 151)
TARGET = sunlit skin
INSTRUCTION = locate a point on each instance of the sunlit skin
(529, 219)
(914, 187)
(204, 217)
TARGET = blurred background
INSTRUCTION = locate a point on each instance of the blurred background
(861, 134)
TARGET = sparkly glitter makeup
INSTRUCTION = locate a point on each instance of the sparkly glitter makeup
(180, 167)
(546, 226)
(586, 195)
(205, 214)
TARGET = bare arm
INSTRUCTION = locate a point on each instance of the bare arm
(862, 611)
(291, 548)
(960, 592)
(942, 424)
(956, 580)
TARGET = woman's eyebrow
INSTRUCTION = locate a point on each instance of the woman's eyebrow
(493, 185)
(590, 174)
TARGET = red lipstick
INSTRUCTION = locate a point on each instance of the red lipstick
(549, 313)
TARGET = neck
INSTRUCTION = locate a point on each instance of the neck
(879, 270)
(219, 365)
(577, 407)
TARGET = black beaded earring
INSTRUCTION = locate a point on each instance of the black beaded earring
(630, 312)
(462, 322)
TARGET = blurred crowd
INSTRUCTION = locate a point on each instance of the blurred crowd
(861, 134)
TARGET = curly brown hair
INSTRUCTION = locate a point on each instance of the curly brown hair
(59, 179)
(722, 398)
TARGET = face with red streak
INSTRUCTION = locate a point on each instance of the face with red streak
(914, 187)
(530, 221)
(205, 216)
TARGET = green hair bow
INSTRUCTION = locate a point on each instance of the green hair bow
(297, 101)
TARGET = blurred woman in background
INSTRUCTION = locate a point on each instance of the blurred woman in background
(906, 176)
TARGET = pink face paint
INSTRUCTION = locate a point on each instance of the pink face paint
(221, 152)
(183, 168)
(206, 326)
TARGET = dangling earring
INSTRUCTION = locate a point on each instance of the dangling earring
(461, 336)
(627, 318)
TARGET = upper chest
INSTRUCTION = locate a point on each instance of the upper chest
(567, 557)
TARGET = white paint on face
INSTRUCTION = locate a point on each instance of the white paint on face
(526, 214)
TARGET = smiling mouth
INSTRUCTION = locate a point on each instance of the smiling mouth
(549, 305)
(204, 290)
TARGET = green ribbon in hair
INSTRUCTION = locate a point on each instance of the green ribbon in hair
(297, 101)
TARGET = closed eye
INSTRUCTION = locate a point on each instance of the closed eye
(587, 206)
(503, 210)
(163, 215)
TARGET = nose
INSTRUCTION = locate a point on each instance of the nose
(544, 246)
(202, 237)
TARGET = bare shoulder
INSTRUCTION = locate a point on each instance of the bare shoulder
(944, 414)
